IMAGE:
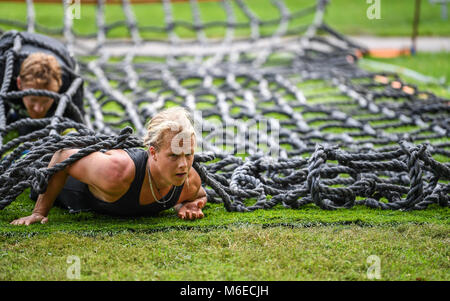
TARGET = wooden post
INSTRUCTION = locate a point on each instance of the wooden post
(415, 26)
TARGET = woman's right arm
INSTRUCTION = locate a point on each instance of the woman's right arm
(45, 201)
(106, 171)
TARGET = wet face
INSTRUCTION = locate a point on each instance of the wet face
(175, 158)
(37, 106)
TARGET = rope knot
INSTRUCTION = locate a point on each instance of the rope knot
(367, 186)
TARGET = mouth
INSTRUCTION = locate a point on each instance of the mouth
(181, 174)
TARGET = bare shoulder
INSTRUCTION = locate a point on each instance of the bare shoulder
(113, 168)
(121, 164)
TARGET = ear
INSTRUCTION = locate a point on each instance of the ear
(152, 152)
(19, 83)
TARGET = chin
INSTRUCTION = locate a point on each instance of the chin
(178, 182)
(36, 117)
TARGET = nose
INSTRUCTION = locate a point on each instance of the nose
(38, 108)
(182, 162)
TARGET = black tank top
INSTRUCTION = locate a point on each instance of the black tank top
(128, 204)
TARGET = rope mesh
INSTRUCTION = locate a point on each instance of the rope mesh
(285, 116)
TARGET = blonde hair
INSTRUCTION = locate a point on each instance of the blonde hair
(175, 119)
(41, 71)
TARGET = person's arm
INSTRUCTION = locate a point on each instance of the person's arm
(45, 201)
(107, 172)
(191, 207)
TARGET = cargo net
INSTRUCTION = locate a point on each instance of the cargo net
(284, 117)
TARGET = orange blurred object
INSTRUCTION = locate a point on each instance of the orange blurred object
(381, 79)
(408, 90)
(388, 52)
(396, 84)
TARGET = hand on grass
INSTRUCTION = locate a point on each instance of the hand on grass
(192, 210)
(28, 220)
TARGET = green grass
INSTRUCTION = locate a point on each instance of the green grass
(215, 216)
(247, 252)
(350, 17)
(51, 15)
(347, 16)
(316, 245)
(436, 64)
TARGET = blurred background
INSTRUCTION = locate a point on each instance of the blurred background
(386, 27)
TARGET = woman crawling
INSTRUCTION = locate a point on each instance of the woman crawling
(131, 182)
